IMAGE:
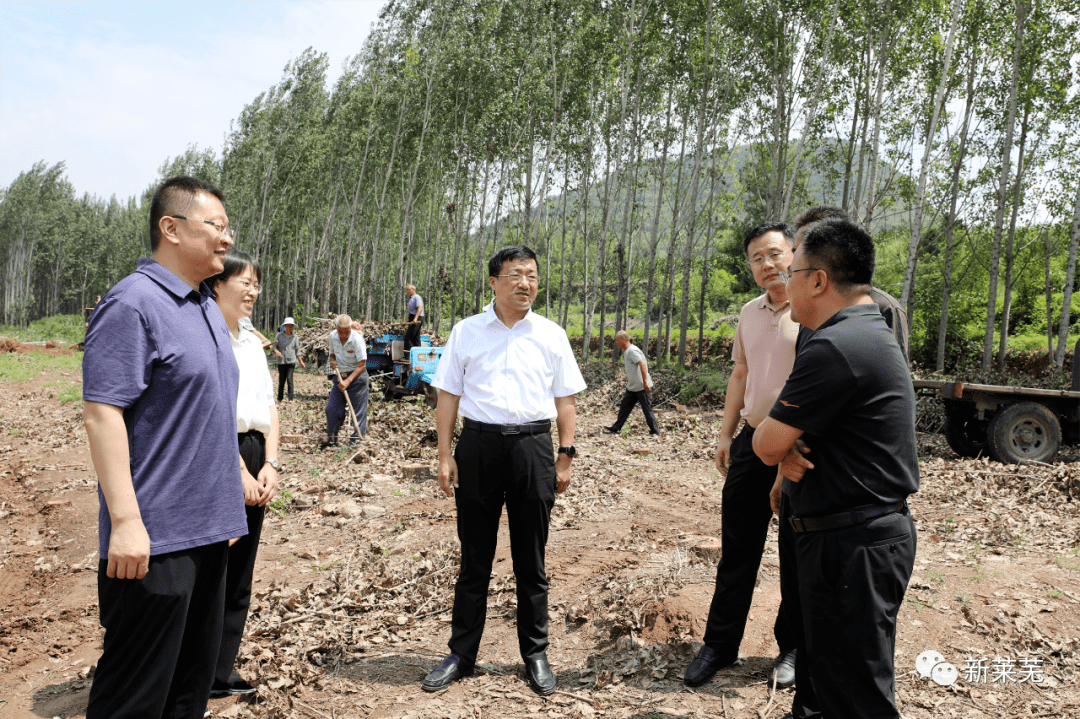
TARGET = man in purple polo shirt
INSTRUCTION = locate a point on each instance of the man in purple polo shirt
(160, 386)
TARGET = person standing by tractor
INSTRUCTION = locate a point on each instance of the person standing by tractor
(415, 307)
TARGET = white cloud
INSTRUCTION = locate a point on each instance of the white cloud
(114, 89)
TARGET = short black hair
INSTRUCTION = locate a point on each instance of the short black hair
(175, 195)
(782, 227)
(513, 252)
(817, 213)
(236, 261)
(844, 250)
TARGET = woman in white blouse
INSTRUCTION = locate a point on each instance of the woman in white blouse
(236, 288)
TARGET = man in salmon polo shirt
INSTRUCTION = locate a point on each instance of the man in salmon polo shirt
(764, 352)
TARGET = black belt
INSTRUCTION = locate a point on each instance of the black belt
(538, 427)
(845, 519)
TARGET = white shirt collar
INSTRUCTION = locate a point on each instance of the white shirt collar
(489, 311)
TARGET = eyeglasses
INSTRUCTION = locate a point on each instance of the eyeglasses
(248, 285)
(773, 258)
(223, 229)
(786, 276)
(515, 277)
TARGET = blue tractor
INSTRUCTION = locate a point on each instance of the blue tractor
(400, 375)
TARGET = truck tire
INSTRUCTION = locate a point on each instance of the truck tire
(965, 433)
(1024, 431)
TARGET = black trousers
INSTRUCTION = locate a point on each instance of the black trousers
(848, 585)
(412, 334)
(518, 471)
(745, 516)
(161, 637)
(285, 375)
(241, 565)
(629, 399)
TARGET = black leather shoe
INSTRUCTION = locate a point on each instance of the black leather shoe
(611, 430)
(784, 671)
(234, 687)
(541, 678)
(705, 664)
(451, 669)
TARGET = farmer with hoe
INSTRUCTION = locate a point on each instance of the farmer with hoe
(348, 359)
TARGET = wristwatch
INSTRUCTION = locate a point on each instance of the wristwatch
(273, 463)
(570, 451)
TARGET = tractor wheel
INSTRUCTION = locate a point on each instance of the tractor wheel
(965, 433)
(1024, 431)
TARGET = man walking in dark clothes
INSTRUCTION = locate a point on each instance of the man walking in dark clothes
(415, 308)
(763, 352)
(638, 385)
(161, 420)
(850, 400)
(509, 372)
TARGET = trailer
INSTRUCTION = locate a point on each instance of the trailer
(1012, 425)
(402, 376)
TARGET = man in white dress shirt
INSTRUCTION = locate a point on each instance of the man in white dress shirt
(508, 372)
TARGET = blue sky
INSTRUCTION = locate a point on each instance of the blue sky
(115, 88)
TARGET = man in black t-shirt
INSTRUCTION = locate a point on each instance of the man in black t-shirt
(849, 398)
(895, 316)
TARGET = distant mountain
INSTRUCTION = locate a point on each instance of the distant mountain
(814, 188)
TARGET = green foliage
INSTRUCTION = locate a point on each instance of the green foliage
(632, 144)
(703, 384)
(65, 329)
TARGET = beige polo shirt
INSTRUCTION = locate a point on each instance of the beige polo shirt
(765, 341)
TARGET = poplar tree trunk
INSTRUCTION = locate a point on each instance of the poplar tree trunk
(924, 170)
(1003, 187)
(1070, 277)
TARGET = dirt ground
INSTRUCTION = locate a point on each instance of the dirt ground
(355, 575)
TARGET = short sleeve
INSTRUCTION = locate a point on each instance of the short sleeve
(450, 372)
(738, 354)
(117, 377)
(568, 379)
(820, 385)
(268, 387)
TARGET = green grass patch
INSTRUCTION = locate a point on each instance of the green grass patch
(65, 329)
(71, 394)
(19, 367)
